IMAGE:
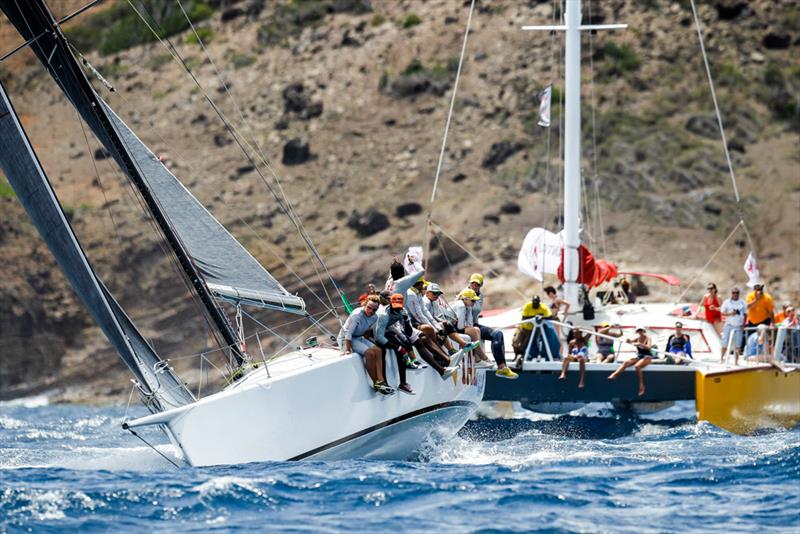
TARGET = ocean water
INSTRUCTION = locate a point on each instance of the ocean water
(72, 468)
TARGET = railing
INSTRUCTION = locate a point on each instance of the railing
(779, 344)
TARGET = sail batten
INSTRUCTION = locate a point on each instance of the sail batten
(27, 178)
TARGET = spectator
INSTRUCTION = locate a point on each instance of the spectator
(642, 359)
(532, 309)
(760, 306)
(711, 308)
(556, 304)
(605, 346)
(577, 353)
(733, 311)
(758, 345)
(679, 343)
(781, 315)
(630, 296)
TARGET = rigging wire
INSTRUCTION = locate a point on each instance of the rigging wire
(689, 285)
(241, 141)
(256, 147)
(446, 130)
(719, 122)
(599, 228)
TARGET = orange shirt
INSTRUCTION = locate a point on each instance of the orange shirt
(762, 310)
(779, 317)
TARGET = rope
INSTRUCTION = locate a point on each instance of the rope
(473, 256)
(446, 129)
(126, 427)
(595, 177)
(719, 123)
(689, 285)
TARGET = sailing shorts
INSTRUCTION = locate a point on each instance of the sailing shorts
(727, 331)
(360, 345)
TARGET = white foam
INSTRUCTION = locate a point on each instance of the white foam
(36, 401)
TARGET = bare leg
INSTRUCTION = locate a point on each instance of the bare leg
(565, 366)
(475, 335)
(644, 362)
(582, 364)
(625, 365)
(372, 358)
(430, 340)
(457, 338)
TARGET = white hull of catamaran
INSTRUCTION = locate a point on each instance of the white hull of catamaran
(316, 403)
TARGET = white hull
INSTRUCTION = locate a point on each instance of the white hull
(317, 403)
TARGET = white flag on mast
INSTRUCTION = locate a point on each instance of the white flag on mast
(544, 106)
(751, 268)
(540, 253)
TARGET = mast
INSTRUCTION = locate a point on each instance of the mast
(572, 140)
(572, 152)
(31, 20)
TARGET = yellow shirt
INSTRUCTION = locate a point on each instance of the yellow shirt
(529, 311)
(762, 310)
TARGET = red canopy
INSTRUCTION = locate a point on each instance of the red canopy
(666, 278)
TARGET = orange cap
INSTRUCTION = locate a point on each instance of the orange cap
(396, 300)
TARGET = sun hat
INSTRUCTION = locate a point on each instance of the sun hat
(468, 294)
(476, 277)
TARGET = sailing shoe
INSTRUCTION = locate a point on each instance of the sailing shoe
(469, 346)
(383, 388)
(405, 388)
(457, 357)
(448, 372)
(414, 364)
(506, 372)
(484, 364)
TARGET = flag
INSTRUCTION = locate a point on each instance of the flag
(540, 253)
(751, 269)
(544, 106)
(412, 261)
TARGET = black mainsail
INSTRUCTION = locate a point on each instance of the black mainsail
(25, 174)
(214, 263)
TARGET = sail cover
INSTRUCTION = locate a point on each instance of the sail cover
(228, 270)
(36, 195)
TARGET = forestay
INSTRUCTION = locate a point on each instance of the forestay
(36, 195)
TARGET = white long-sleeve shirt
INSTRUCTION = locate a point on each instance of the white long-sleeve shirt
(464, 316)
(356, 325)
(416, 308)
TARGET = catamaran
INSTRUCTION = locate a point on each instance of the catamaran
(312, 402)
(745, 396)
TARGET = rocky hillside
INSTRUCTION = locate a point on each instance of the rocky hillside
(348, 100)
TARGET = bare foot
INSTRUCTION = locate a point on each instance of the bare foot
(641, 390)
(580, 386)
(562, 377)
(612, 376)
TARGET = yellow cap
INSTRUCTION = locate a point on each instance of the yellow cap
(476, 277)
(468, 294)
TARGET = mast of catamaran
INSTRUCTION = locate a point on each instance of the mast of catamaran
(572, 140)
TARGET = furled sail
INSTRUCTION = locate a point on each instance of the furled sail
(26, 176)
(224, 267)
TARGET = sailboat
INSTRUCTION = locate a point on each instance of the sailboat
(313, 402)
(772, 394)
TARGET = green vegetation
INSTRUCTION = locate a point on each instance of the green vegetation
(781, 92)
(158, 61)
(435, 70)
(5, 189)
(410, 20)
(620, 59)
(729, 75)
(377, 20)
(203, 33)
(119, 27)
(240, 61)
(289, 19)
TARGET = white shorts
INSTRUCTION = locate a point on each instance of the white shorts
(727, 330)
(360, 345)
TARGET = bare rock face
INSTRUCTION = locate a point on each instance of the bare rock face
(297, 101)
(444, 253)
(296, 152)
(499, 153)
(368, 223)
(408, 209)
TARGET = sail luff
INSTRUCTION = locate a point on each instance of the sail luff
(26, 176)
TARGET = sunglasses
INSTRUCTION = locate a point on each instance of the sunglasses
(373, 308)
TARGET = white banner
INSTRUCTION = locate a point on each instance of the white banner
(544, 106)
(412, 261)
(751, 268)
(540, 253)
